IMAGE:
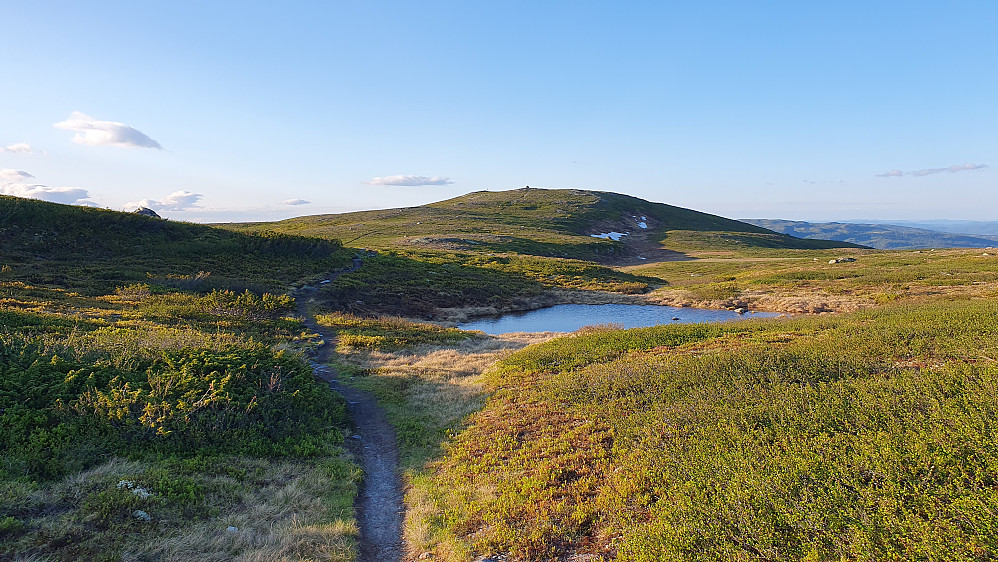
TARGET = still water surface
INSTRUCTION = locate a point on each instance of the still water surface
(571, 317)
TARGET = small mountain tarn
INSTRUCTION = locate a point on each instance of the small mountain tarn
(379, 506)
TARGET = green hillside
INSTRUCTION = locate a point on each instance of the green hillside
(541, 222)
(93, 249)
(489, 252)
(145, 405)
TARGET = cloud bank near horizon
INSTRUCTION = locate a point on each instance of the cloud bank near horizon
(64, 195)
(94, 132)
(295, 202)
(177, 201)
(409, 181)
(930, 171)
(14, 182)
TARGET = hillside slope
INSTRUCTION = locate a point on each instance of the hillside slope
(95, 249)
(880, 236)
(543, 222)
(142, 413)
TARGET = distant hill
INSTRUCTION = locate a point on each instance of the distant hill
(97, 249)
(593, 225)
(881, 236)
(976, 228)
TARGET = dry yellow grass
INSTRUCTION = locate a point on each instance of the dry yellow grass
(286, 519)
(289, 516)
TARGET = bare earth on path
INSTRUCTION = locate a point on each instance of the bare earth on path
(379, 506)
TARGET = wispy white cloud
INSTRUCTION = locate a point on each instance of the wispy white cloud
(951, 169)
(94, 132)
(176, 201)
(410, 181)
(891, 174)
(11, 175)
(66, 195)
(21, 147)
(930, 171)
(296, 202)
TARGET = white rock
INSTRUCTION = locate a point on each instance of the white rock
(232, 529)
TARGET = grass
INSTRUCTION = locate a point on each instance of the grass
(281, 510)
(491, 252)
(864, 436)
(386, 333)
(762, 279)
(135, 384)
(424, 284)
(428, 380)
(539, 222)
(146, 405)
(174, 395)
(93, 250)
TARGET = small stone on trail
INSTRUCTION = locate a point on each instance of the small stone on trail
(426, 555)
(232, 529)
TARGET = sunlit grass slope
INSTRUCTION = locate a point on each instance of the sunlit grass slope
(541, 222)
(800, 281)
(868, 436)
(494, 251)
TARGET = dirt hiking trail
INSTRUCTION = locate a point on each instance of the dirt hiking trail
(379, 505)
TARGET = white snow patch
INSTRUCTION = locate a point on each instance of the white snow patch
(615, 236)
(642, 258)
(643, 224)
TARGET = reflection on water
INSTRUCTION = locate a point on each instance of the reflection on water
(571, 317)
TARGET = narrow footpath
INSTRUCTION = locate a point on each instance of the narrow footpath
(379, 505)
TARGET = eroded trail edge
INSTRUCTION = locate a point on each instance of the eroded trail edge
(380, 503)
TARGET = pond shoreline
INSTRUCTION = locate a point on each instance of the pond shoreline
(753, 301)
(571, 317)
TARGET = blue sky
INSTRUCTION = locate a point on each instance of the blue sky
(244, 110)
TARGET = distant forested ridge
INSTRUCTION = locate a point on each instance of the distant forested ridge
(880, 236)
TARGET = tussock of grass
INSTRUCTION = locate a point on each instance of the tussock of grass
(386, 333)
